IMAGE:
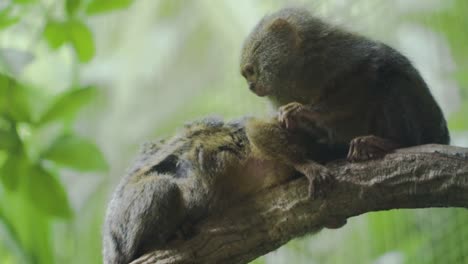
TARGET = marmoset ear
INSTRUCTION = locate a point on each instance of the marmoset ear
(280, 24)
(285, 30)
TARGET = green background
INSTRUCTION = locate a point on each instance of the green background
(84, 82)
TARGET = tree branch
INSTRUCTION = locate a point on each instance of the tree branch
(417, 177)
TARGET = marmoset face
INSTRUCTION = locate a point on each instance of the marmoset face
(268, 55)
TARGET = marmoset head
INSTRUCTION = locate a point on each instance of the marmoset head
(204, 147)
(270, 53)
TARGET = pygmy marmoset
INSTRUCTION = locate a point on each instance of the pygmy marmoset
(201, 170)
(364, 94)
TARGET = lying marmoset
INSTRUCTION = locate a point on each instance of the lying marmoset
(201, 170)
(366, 95)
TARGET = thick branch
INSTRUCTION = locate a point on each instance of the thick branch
(418, 177)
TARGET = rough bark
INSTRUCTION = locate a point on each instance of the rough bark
(417, 177)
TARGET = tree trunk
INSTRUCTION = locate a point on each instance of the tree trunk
(417, 177)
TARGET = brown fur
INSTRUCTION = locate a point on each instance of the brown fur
(199, 171)
(349, 85)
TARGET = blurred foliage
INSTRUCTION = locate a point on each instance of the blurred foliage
(37, 138)
(7, 19)
(43, 149)
(452, 22)
(72, 31)
(34, 146)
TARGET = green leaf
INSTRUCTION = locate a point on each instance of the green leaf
(67, 104)
(19, 105)
(24, 1)
(8, 140)
(11, 239)
(5, 83)
(15, 166)
(76, 153)
(56, 34)
(71, 6)
(6, 19)
(81, 38)
(74, 31)
(14, 99)
(102, 6)
(47, 193)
